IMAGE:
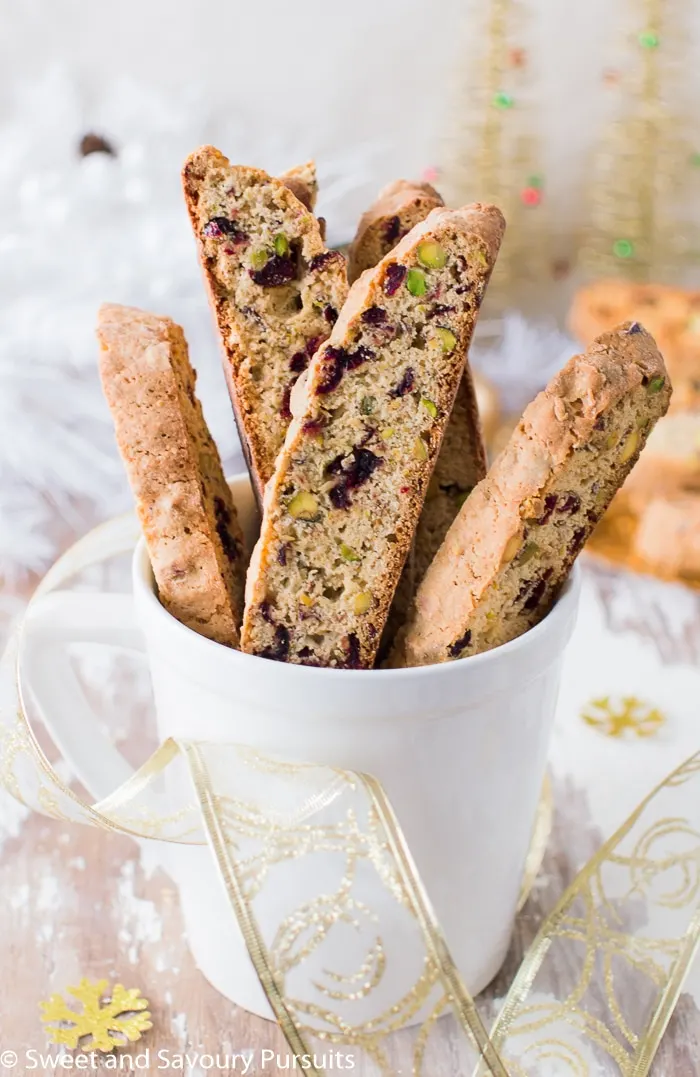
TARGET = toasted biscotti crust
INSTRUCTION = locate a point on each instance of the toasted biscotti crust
(462, 460)
(668, 537)
(508, 552)
(349, 485)
(182, 499)
(399, 206)
(274, 287)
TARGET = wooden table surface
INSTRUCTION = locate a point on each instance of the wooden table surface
(78, 902)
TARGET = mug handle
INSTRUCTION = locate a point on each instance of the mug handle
(53, 621)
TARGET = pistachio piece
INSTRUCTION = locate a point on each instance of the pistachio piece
(447, 339)
(656, 384)
(306, 600)
(368, 404)
(529, 551)
(511, 548)
(281, 244)
(362, 602)
(432, 255)
(415, 282)
(480, 258)
(612, 440)
(429, 407)
(258, 259)
(387, 433)
(303, 506)
(347, 553)
(420, 450)
(630, 446)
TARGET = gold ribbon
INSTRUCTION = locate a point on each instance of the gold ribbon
(619, 942)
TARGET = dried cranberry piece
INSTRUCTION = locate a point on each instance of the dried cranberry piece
(352, 652)
(312, 345)
(634, 328)
(364, 464)
(279, 269)
(358, 357)
(456, 648)
(406, 384)
(550, 503)
(279, 650)
(285, 410)
(374, 316)
(335, 467)
(339, 496)
(282, 555)
(223, 522)
(392, 229)
(534, 598)
(337, 361)
(534, 590)
(222, 226)
(330, 314)
(577, 540)
(323, 259)
(394, 278)
(266, 612)
(333, 370)
(570, 504)
(299, 362)
(313, 426)
(438, 309)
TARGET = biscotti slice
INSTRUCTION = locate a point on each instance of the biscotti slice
(349, 485)
(670, 463)
(510, 549)
(275, 290)
(668, 537)
(398, 208)
(184, 504)
(462, 460)
(303, 183)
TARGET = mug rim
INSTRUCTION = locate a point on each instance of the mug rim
(144, 588)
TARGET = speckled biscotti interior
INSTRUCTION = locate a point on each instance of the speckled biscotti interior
(348, 488)
(398, 208)
(462, 460)
(184, 504)
(512, 545)
(275, 289)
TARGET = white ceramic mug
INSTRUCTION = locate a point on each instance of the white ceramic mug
(460, 748)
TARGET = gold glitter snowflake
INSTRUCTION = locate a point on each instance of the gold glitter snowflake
(105, 1020)
(618, 717)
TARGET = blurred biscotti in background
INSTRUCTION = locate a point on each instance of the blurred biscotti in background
(668, 538)
(672, 316)
(399, 206)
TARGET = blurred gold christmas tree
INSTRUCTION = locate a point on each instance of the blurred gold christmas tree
(490, 152)
(646, 168)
